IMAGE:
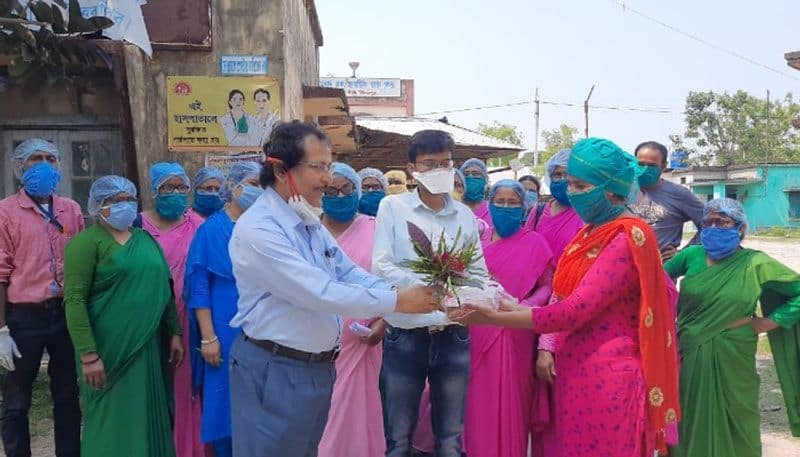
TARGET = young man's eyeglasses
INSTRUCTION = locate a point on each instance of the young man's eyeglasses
(433, 164)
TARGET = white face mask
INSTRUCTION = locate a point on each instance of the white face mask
(308, 214)
(437, 181)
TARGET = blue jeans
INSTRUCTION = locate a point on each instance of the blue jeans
(410, 356)
(279, 406)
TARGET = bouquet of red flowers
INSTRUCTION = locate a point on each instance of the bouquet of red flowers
(448, 267)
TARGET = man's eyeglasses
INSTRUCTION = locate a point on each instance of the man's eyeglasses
(432, 164)
(319, 167)
(345, 190)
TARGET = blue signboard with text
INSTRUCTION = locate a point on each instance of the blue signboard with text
(243, 65)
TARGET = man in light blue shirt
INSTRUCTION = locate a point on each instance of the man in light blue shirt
(294, 283)
(421, 346)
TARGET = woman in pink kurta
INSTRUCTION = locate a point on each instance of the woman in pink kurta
(558, 230)
(355, 420)
(500, 396)
(173, 227)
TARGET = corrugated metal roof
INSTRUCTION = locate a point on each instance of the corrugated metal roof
(410, 125)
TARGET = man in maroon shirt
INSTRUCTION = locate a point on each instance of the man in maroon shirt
(35, 226)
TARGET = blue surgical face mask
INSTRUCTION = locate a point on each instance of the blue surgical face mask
(559, 191)
(594, 207)
(40, 180)
(207, 203)
(340, 209)
(171, 206)
(720, 243)
(475, 188)
(507, 221)
(531, 199)
(121, 215)
(248, 197)
(370, 201)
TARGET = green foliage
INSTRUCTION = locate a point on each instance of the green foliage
(51, 48)
(563, 137)
(504, 132)
(740, 128)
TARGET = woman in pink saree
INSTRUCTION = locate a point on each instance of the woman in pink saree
(500, 396)
(558, 222)
(173, 227)
(355, 420)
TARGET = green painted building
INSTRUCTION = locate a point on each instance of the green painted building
(770, 193)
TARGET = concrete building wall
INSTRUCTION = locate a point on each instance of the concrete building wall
(767, 202)
(278, 28)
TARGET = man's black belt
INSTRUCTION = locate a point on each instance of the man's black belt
(309, 357)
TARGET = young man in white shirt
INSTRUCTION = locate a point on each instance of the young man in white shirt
(423, 346)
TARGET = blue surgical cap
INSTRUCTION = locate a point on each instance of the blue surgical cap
(727, 206)
(559, 159)
(508, 184)
(106, 187)
(238, 172)
(29, 147)
(460, 177)
(374, 173)
(347, 172)
(206, 173)
(475, 163)
(162, 171)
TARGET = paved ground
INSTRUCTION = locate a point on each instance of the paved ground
(777, 442)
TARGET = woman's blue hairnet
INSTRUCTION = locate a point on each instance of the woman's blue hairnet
(508, 184)
(105, 187)
(238, 172)
(347, 172)
(29, 147)
(460, 176)
(475, 163)
(206, 173)
(727, 206)
(374, 173)
(559, 159)
(162, 171)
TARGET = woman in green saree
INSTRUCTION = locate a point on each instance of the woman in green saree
(718, 332)
(122, 320)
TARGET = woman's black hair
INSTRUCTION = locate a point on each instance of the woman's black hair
(532, 179)
(231, 94)
(287, 143)
(261, 91)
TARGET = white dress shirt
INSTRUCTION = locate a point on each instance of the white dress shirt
(393, 245)
(295, 282)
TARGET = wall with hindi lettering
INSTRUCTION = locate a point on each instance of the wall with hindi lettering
(281, 29)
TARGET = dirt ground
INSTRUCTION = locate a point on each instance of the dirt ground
(777, 442)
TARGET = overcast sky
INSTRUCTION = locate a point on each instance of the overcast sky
(471, 53)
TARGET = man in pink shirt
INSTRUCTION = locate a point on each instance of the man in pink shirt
(35, 226)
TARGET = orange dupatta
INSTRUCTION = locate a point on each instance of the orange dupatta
(656, 324)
